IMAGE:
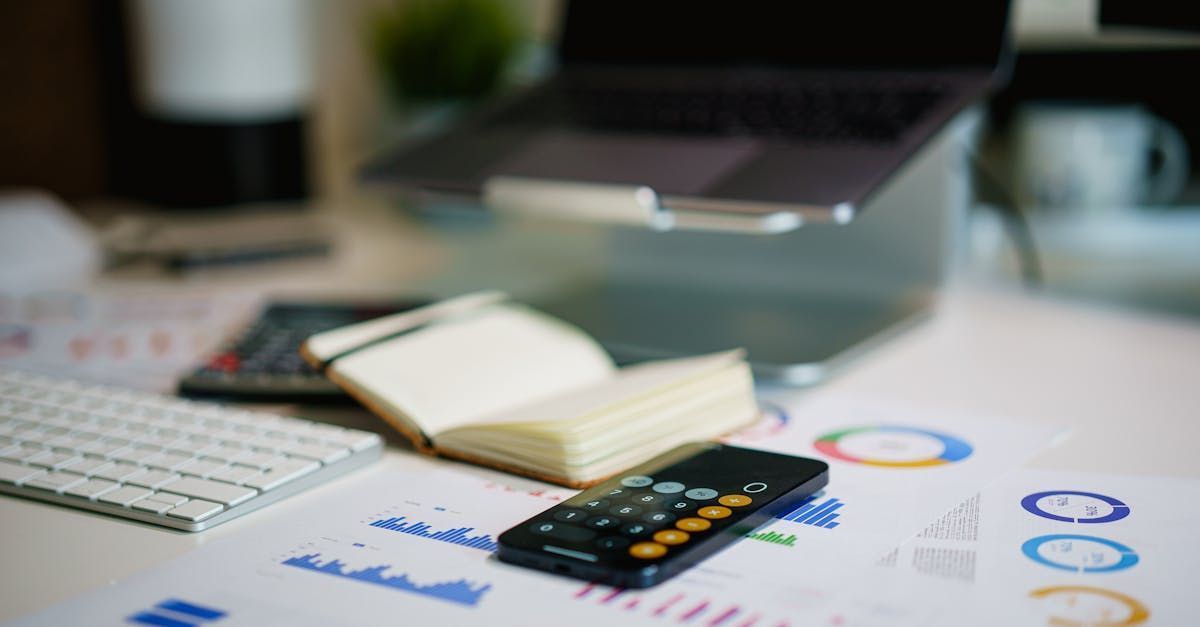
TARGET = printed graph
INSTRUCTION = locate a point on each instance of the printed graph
(774, 537)
(457, 535)
(460, 591)
(177, 613)
(809, 512)
(678, 607)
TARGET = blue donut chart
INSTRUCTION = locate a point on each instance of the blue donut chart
(1120, 509)
(1128, 557)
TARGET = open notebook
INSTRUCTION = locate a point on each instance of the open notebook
(490, 381)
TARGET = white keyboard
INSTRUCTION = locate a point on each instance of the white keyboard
(159, 459)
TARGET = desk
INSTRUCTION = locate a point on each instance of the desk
(1127, 382)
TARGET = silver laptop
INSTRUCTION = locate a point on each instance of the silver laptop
(747, 108)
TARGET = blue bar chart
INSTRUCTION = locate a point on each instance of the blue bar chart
(809, 512)
(458, 535)
(460, 591)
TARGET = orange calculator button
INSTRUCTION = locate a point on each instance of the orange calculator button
(647, 550)
(693, 524)
(714, 512)
(671, 536)
(735, 500)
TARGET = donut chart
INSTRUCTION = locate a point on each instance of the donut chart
(1079, 553)
(1075, 507)
(893, 446)
(1087, 605)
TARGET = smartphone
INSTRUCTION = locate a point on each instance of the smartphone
(657, 519)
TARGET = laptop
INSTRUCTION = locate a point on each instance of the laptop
(738, 110)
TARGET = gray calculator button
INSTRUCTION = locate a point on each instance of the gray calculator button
(668, 487)
(701, 494)
(659, 518)
(570, 533)
(636, 481)
(625, 510)
(646, 499)
(612, 543)
(594, 504)
(602, 522)
(635, 529)
(570, 515)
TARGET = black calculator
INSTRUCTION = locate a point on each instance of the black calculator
(263, 361)
(656, 520)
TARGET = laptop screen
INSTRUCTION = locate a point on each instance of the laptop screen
(844, 34)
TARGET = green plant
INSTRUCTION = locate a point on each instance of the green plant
(445, 49)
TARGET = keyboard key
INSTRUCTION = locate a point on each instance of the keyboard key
(216, 491)
(88, 465)
(168, 498)
(16, 473)
(53, 459)
(168, 460)
(153, 479)
(152, 506)
(202, 467)
(235, 473)
(55, 481)
(321, 452)
(117, 471)
(281, 474)
(196, 510)
(92, 488)
(125, 495)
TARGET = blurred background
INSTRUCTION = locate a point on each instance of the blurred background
(129, 111)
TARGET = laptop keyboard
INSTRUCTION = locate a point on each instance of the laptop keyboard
(158, 459)
(813, 112)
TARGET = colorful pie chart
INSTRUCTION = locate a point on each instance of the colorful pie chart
(893, 446)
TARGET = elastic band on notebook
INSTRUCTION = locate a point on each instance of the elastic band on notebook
(324, 365)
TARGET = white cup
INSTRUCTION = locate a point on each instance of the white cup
(1096, 158)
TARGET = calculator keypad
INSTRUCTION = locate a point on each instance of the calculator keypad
(647, 519)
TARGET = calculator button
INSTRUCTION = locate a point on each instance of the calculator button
(635, 529)
(659, 518)
(680, 505)
(617, 492)
(569, 533)
(603, 522)
(595, 504)
(612, 543)
(646, 499)
(647, 550)
(701, 494)
(671, 536)
(754, 488)
(668, 487)
(714, 512)
(735, 500)
(693, 524)
(636, 481)
(625, 510)
(570, 515)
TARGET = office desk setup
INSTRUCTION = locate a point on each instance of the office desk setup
(1103, 398)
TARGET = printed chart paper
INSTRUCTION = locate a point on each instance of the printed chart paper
(1062, 548)
(415, 537)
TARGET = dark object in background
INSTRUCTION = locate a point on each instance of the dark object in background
(51, 117)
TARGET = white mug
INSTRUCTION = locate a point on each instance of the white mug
(1097, 158)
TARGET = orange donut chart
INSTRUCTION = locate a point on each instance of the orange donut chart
(1138, 612)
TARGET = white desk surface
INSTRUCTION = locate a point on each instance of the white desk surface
(1129, 382)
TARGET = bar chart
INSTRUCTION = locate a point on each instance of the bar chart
(809, 512)
(459, 591)
(680, 607)
(457, 535)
